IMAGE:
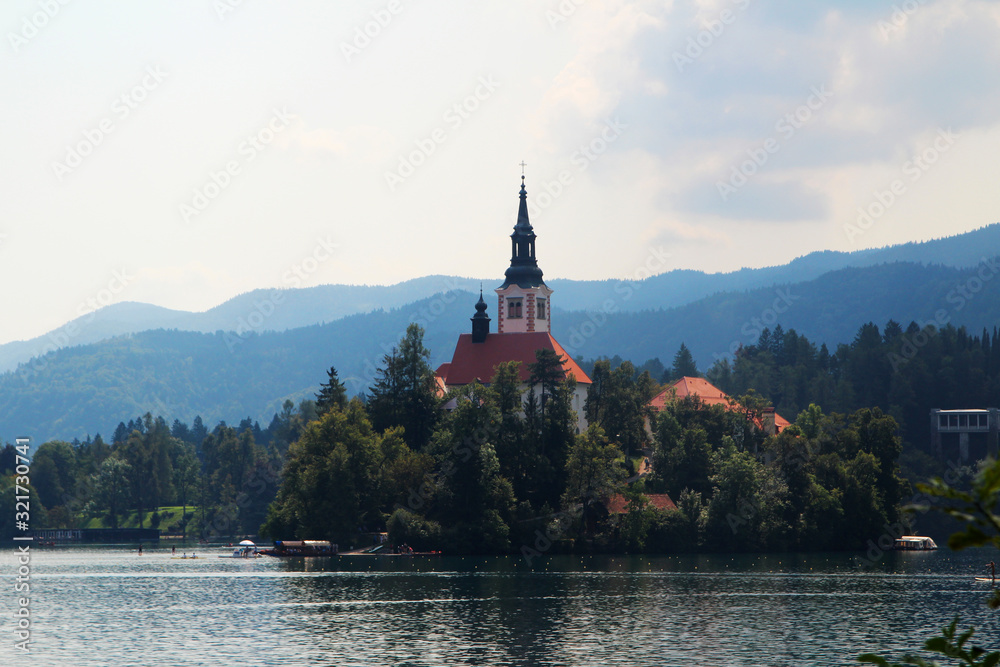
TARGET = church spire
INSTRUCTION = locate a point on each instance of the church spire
(523, 270)
(522, 211)
(480, 321)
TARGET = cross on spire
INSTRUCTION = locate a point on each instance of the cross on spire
(523, 165)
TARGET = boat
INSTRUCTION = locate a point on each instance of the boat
(301, 548)
(913, 543)
(246, 549)
(242, 553)
(386, 550)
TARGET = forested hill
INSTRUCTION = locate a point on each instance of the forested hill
(300, 307)
(75, 391)
(829, 309)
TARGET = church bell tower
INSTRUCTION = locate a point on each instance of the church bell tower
(523, 299)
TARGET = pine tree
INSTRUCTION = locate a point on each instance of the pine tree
(684, 365)
(404, 392)
(332, 393)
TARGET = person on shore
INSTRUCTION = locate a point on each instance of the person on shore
(140, 548)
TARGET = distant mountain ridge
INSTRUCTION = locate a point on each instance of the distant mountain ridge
(293, 308)
(221, 376)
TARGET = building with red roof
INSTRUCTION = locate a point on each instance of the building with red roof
(771, 422)
(618, 504)
(524, 324)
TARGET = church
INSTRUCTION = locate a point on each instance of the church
(524, 324)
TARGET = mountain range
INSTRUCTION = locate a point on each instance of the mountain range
(248, 355)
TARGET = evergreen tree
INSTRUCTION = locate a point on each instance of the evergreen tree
(332, 393)
(198, 433)
(594, 473)
(404, 391)
(684, 365)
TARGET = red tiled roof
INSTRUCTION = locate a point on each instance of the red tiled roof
(707, 392)
(618, 504)
(473, 361)
(688, 386)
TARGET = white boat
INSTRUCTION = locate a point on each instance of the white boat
(246, 549)
(914, 543)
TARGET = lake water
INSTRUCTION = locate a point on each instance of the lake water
(109, 606)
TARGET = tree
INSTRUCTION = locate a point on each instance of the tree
(684, 365)
(980, 526)
(8, 459)
(332, 393)
(593, 472)
(186, 473)
(52, 473)
(404, 391)
(546, 373)
(147, 451)
(111, 494)
(331, 485)
(619, 403)
(509, 443)
(198, 432)
(476, 502)
(550, 427)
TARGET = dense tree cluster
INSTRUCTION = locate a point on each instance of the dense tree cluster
(826, 482)
(497, 468)
(904, 372)
(229, 474)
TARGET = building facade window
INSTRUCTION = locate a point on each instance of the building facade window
(513, 309)
(540, 307)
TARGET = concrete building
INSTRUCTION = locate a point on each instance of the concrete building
(965, 435)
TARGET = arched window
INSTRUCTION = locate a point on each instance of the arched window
(513, 309)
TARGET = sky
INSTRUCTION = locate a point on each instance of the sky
(181, 152)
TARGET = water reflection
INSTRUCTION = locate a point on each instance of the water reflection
(98, 607)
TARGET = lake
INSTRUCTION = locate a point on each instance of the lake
(110, 606)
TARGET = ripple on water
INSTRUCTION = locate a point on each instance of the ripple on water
(101, 607)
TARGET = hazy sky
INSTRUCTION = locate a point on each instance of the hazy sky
(180, 152)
